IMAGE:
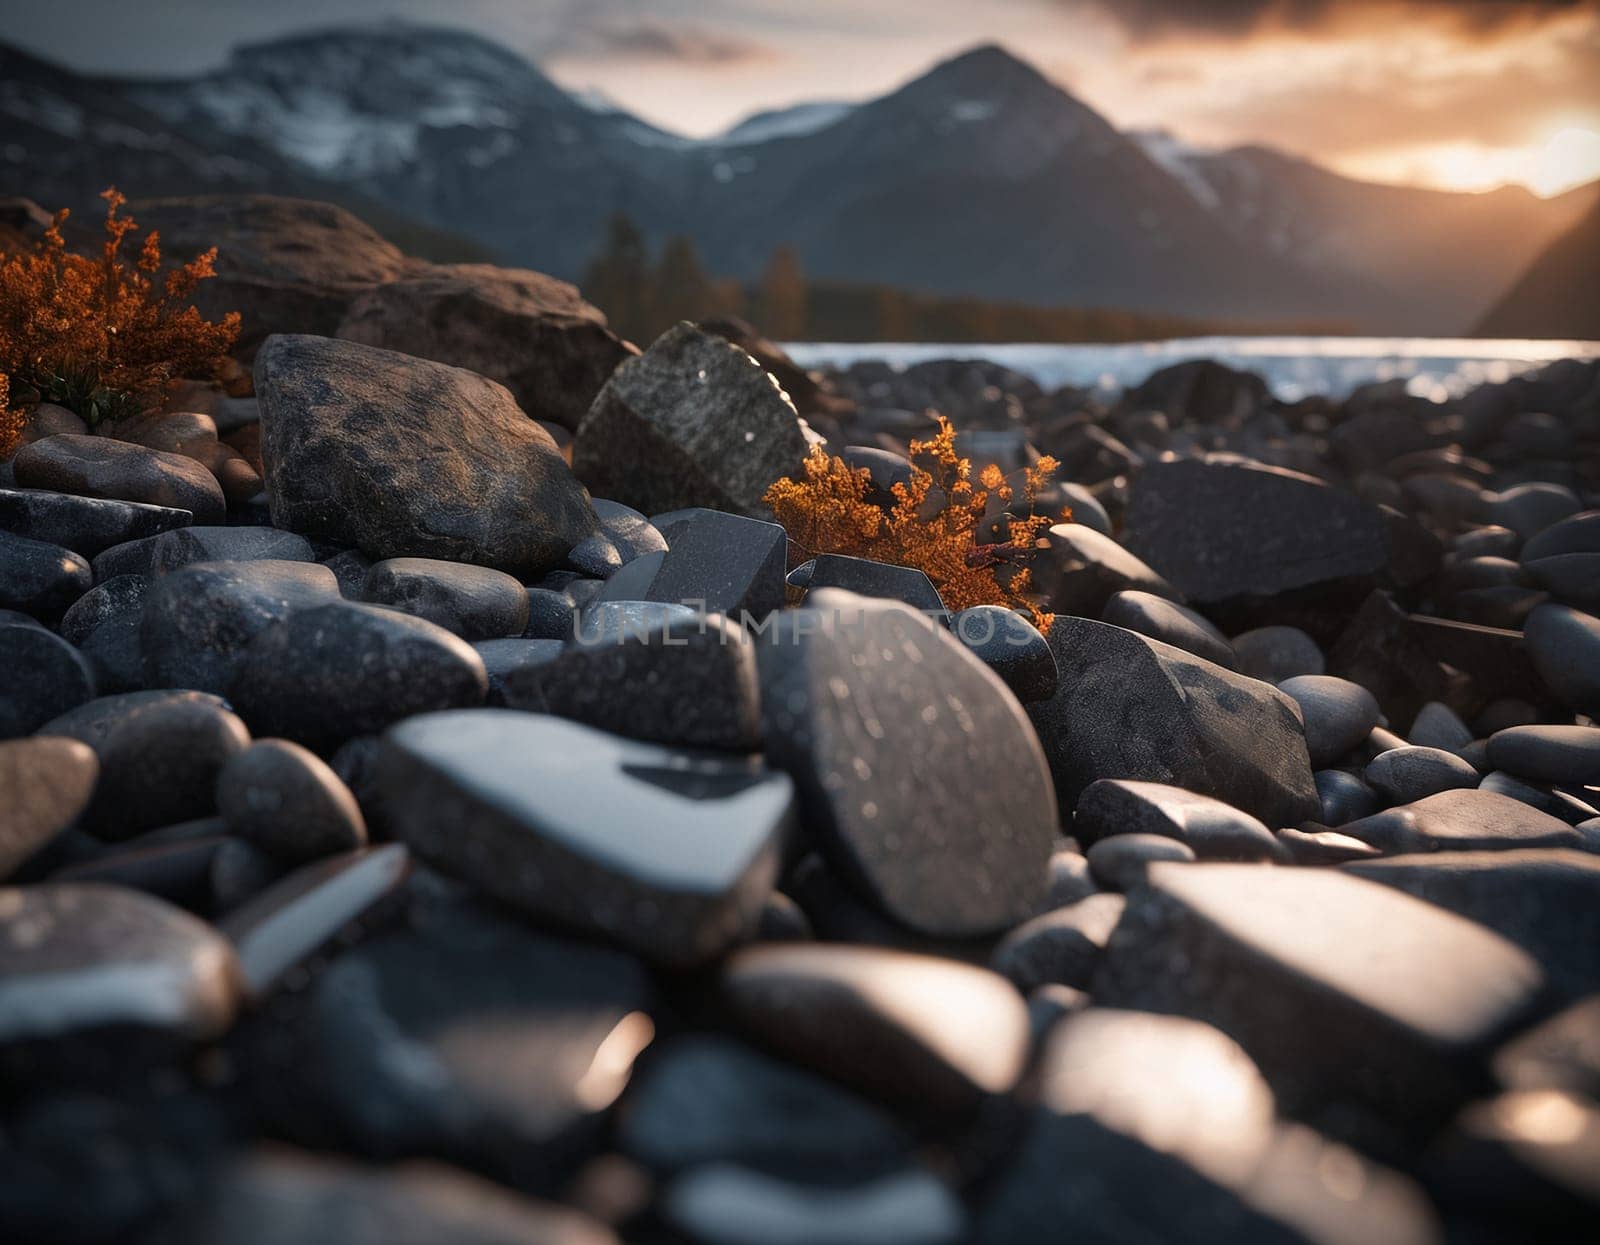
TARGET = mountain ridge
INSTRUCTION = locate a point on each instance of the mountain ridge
(980, 177)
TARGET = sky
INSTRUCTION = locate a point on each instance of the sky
(1457, 94)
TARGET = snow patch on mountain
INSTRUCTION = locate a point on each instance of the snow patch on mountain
(1179, 159)
(785, 123)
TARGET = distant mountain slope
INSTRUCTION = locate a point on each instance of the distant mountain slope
(1559, 295)
(980, 177)
(64, 139)
(1440, 255)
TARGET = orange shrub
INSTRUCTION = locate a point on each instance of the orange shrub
(10, 420)
(100, 335)
(933, 525)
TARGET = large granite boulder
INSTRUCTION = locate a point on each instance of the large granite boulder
(694, 421)
(532, 333)
(1128, 706)
(286, 265)
(404, 457)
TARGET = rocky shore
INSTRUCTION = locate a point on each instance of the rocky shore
(437, 803)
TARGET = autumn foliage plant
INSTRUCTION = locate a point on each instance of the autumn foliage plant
(103, 335)
(941, 523)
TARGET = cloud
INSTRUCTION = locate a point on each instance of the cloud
(1235, 19)
(683, 42)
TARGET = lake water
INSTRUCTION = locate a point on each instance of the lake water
(1294, 367)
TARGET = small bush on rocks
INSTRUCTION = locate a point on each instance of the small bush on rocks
(101, 336)
(934, 524)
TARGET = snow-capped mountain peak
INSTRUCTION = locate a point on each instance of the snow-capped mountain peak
(792, 122)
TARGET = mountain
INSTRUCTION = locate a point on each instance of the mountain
(1559, 295)
(759, 127)
(980, 177)
(1439, 255)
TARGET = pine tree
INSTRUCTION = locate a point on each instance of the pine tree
(681, 289)
(783, 296)
(618, 280)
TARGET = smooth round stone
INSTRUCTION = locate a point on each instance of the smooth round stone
(709, 1099)
(504, 658)
(282, 923)
(624, 535)
(1086, 507)
(1564, 645)
(887, 722)
(473, 602)
(86, 525)
(1573, 577)
(39, 579)
(287, 802)
(1171, 623)
(1060, 947)
(871, 578)
(551, 615)
(1490, 541)
(1439, 726)
(1213, 829)
(81, 958)
(1273, 654)
(1580, 533)
(1558, 754)
(1338, 714)
(199, 620)
(931, 1035)
(1323, 847)
(1121, 862)
(728, 1204)
(1012, 647)
(160, 754)
(1070, 880)
(103, 467)
(1529, 509)
(44, 677)
(1561, 1053)
(1502, 714)
(669, 852)
(327, 674)
(45, 783)
(104, 625)
(1402, 775)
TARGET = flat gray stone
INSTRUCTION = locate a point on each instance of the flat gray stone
(1368, 1011)
(1462, 820)
(670, 853)
(717, 563)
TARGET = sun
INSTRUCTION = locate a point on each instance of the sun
(1569, 157)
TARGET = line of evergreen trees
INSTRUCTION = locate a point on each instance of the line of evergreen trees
(643, 296)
